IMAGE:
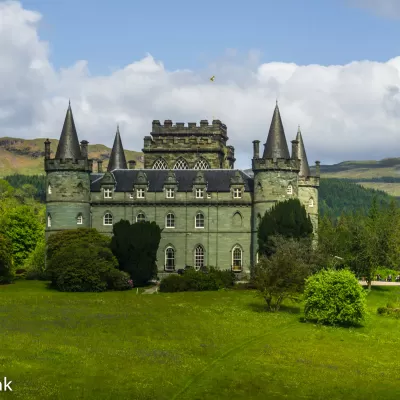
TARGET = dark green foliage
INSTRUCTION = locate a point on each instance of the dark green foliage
(24, 230)
(338, 196)
(6, 274)
(192, 280)
(35, 263)
(288, 219)
(282, 275)
(334, 298)
(135, 246)
(80, 260)
(118, 280)
(18, 181)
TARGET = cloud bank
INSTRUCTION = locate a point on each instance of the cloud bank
(345, 111)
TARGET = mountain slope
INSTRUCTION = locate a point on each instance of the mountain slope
(25, 156)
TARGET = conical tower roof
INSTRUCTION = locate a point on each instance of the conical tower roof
(302, 156)
(276, 145)
(68, 147)
(117, 157)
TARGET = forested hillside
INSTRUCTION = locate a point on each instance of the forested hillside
(336, 196)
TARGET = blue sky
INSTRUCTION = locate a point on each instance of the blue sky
(189, 34)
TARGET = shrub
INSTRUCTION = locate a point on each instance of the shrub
(6, 273)
(334, 298)
(209, 279)
(173, 283)
(118, 280)
(35, 263)
(81, 263)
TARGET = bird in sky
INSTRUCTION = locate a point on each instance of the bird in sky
(212, 78)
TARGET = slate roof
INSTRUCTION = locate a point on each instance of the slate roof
(218, 179)
(68, 146)
(117, 157)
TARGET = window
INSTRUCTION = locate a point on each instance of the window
(160, 164)
(140, 193)
(201, 164)
(237, 259)
(108, 193)
(169, 193)
(170, 220)
(199, 193)
(169, 259)
(257, 257)
(79, 219)
(198, 257)
(49, 220)
(237, 193)
(237, 219)
(131, 195)
(49, 189)
(199, 222)
(289, 189)
(208, 195)
(107, 219)
(311, 202)
(140, 217)
(181, 163)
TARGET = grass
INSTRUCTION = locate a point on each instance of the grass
(207, 345)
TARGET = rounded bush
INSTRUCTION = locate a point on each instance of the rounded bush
(118, 280)
(173, 283)
(334, 297)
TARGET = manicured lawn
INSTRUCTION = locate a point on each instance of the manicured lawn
(208, 346)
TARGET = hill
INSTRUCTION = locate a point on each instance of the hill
(23, 156)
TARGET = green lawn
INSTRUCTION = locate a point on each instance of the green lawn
(209, 345)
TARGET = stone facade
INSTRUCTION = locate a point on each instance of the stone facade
(209, 212)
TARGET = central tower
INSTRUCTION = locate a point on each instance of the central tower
(188, 147)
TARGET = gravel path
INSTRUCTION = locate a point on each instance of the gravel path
(378, 283)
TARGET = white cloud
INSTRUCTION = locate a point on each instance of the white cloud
(386, 8)
(346, 111)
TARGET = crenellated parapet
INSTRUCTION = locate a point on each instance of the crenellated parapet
(312, 181)
(68, 165)
(267, 164)
(216, 127)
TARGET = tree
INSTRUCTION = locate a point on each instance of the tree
(6, 273)
(282, 275)
(334, 298)
(24, 230)
(288, 219)
(80, 260)
(135, 247)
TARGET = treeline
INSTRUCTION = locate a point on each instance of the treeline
(339, 196)
(336, 196)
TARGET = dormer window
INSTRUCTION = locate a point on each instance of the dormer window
(140, 193)
(289, 189)
(169, 193)
(237, 193)
(49, 189)
(199, 193)
(108, 193)
(79, 219)
(311, 202)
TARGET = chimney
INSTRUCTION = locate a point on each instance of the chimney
(295, 149)
(84, 149)
(317, 169)
(99, 166)
(256, 149)
(47, 149)
(131, 164)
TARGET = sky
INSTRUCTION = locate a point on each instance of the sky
(333, 66)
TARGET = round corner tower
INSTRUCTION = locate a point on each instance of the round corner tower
(67, 181)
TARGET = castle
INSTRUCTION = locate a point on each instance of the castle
(209, 211)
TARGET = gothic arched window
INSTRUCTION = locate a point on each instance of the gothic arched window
(237, 258)
(160, 164)
(140, 217)
(199, 257)
(199, 220)
(108, 219)
(289, 189)
(169, 258)
(181, 163)
(201, 164)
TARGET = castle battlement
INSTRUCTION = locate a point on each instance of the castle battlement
(68, 165)
(260, 164)
(204, 128)
(309, 181)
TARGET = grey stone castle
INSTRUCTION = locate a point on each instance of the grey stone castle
(209, 211)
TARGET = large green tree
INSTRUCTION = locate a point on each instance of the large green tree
(135, 247)
(288, 219)
(6, 270)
